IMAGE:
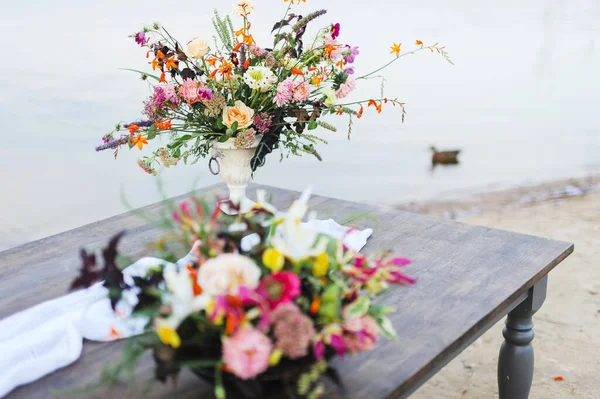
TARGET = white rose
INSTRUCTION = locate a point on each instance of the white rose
(197, 48)
(226, 273)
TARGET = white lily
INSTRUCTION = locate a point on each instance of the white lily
(181, 296)
(291, 239)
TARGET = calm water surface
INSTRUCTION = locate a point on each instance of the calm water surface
(521, 102)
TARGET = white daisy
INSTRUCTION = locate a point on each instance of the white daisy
(260, 78)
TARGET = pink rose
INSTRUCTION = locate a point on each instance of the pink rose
(246, 353)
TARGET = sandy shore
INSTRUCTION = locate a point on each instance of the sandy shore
(567, 328)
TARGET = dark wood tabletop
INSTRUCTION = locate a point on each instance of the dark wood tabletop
(468, 277)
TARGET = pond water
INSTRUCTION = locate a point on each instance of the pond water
(521, 103)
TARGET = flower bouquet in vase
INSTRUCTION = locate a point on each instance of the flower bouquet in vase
(259, 303)
(237, 101)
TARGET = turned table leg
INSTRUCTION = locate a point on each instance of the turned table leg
(515, 364)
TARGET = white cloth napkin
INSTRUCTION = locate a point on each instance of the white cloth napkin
(49, 336)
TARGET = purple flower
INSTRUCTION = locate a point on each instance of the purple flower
(112, 144)
(335, 31)
(352, 54)
(140, 38)
(205, 93)
(142, 123)
(349, 71)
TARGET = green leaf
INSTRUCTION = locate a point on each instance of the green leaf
(152, 130)
(380, 310)
(223, 138)
(197, 363)
(386, 327)
(358, 308)
(330, 303)
(312, 125)
(234, 126)
(185, 137)
(143, 73)
(219, 124)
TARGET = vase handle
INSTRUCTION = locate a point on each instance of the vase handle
(210, 166)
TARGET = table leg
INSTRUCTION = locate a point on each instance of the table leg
(515, 364)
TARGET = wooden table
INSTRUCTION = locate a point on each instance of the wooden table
(468, 278)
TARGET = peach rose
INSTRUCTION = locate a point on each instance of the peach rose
(240, 113)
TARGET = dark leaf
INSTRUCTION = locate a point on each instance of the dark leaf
(279, 24)
(88, 274)
(268, 142)
(315, 113)
(187, 73)
(301, 116)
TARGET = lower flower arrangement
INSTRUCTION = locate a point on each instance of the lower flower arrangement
(257, 318)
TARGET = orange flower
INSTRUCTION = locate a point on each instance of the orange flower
(315, 305)
(162, 78)
(559, 378)
(339, 111)
(226, 69)
(133, 128)
(316, 80)
(296, 71)
(212, 61)
(249, 40)
(247, 63)
(238, 46)
(171, 63)
(295, 1)
(340, 64)
(373, 103)
(419, 43)
(165, 125)
(360, 111)
(396, 49)
(139, 140)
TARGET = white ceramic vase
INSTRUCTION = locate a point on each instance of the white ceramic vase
(232, 164)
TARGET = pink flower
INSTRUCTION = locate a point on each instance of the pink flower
(189, 91)
(301, 92)
(263, 122)
(279, 288)
(245, 139)
(346, 87)
(246, 353)
(360, 334)
(293, 330)
(285, 92)
(170, 93)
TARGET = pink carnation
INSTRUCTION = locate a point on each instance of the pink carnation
(346, 87)
(293, 330)
(189, 91)
(360, 334)
(285, 92)
(170, 93)
(301, 92)
(246, 353)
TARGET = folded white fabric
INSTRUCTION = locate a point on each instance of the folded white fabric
(49, 336)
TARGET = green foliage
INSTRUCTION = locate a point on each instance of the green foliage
(224, 29)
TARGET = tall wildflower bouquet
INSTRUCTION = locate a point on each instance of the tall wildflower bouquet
(237, 89)
(259, 297)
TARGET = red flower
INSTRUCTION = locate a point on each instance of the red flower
(278, 288)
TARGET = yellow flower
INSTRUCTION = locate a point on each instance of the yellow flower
(275, 357)
(321, 264)
(168, 336)
(240, 113)
(396, 49)
(273, 259)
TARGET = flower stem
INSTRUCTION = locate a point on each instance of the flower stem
(394, 60)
